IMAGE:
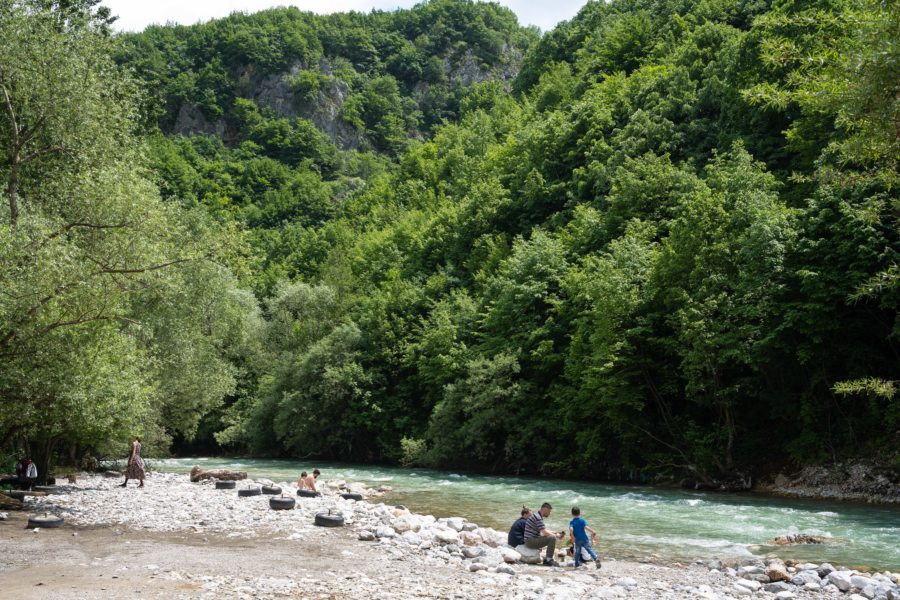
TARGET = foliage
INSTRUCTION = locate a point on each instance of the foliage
(670, 247)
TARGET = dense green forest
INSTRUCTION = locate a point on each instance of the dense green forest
(661, 238)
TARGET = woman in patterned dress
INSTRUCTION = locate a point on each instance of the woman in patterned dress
(135, 468)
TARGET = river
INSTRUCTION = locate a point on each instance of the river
(634, 522)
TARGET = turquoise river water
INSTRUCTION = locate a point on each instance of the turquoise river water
(634, 522)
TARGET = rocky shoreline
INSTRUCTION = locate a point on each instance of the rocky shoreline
(424, 556)
(854, 481)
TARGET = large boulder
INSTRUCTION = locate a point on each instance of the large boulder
(198, 474)
(528, 555)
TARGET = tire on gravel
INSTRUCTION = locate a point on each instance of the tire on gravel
(352, 496)
(225, 485)
(271, 489)
(308, 494)
(49, 489)
(324, 519)
(45, 521)
(246, 492)
(282, 503)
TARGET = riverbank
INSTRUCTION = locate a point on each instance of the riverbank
(854, 481)
(179, 539)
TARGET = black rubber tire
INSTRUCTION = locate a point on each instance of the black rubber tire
(328, 520)
(45, 522)
(225, 485)
(249, 492)
(352, 496)
(17, 494)
(282, 503)
(271, 489)
(50, 489)
(308, 494)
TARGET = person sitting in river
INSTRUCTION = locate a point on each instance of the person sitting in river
(308, 482)
(537, 535)
(516, 535)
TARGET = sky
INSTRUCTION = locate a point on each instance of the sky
(135, 15)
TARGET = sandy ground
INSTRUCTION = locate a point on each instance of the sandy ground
(116, 562)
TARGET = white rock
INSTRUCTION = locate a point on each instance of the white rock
(626, 582)
(528, 555)
(860, 581)
(470, 539)
(740, 590)
(806, 576)
(385, 533)
(509, 555)
(785, 595)
(840, 579)
(474, 567)
(751, 585)
(412, 538)
(366, 536)
(446, 536)
(506, 569)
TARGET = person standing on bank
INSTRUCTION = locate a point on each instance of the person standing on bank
(537, 535)
(135, 469)
(578, 529)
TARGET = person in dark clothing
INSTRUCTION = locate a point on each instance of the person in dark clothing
(26, 473)
(516, 535)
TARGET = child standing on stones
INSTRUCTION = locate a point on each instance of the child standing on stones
(578, 529)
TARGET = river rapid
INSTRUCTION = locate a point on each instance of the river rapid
(633, 522)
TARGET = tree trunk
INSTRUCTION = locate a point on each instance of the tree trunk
(12, 190)
(42, 455)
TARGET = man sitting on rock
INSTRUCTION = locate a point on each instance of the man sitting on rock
(537, 535)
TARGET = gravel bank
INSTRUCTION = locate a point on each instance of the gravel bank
(188, 540)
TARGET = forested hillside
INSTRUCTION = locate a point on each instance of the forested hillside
(660, 239)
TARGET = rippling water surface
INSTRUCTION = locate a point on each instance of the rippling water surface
(632, 521)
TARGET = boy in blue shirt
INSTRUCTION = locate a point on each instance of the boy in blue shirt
(578, 528)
